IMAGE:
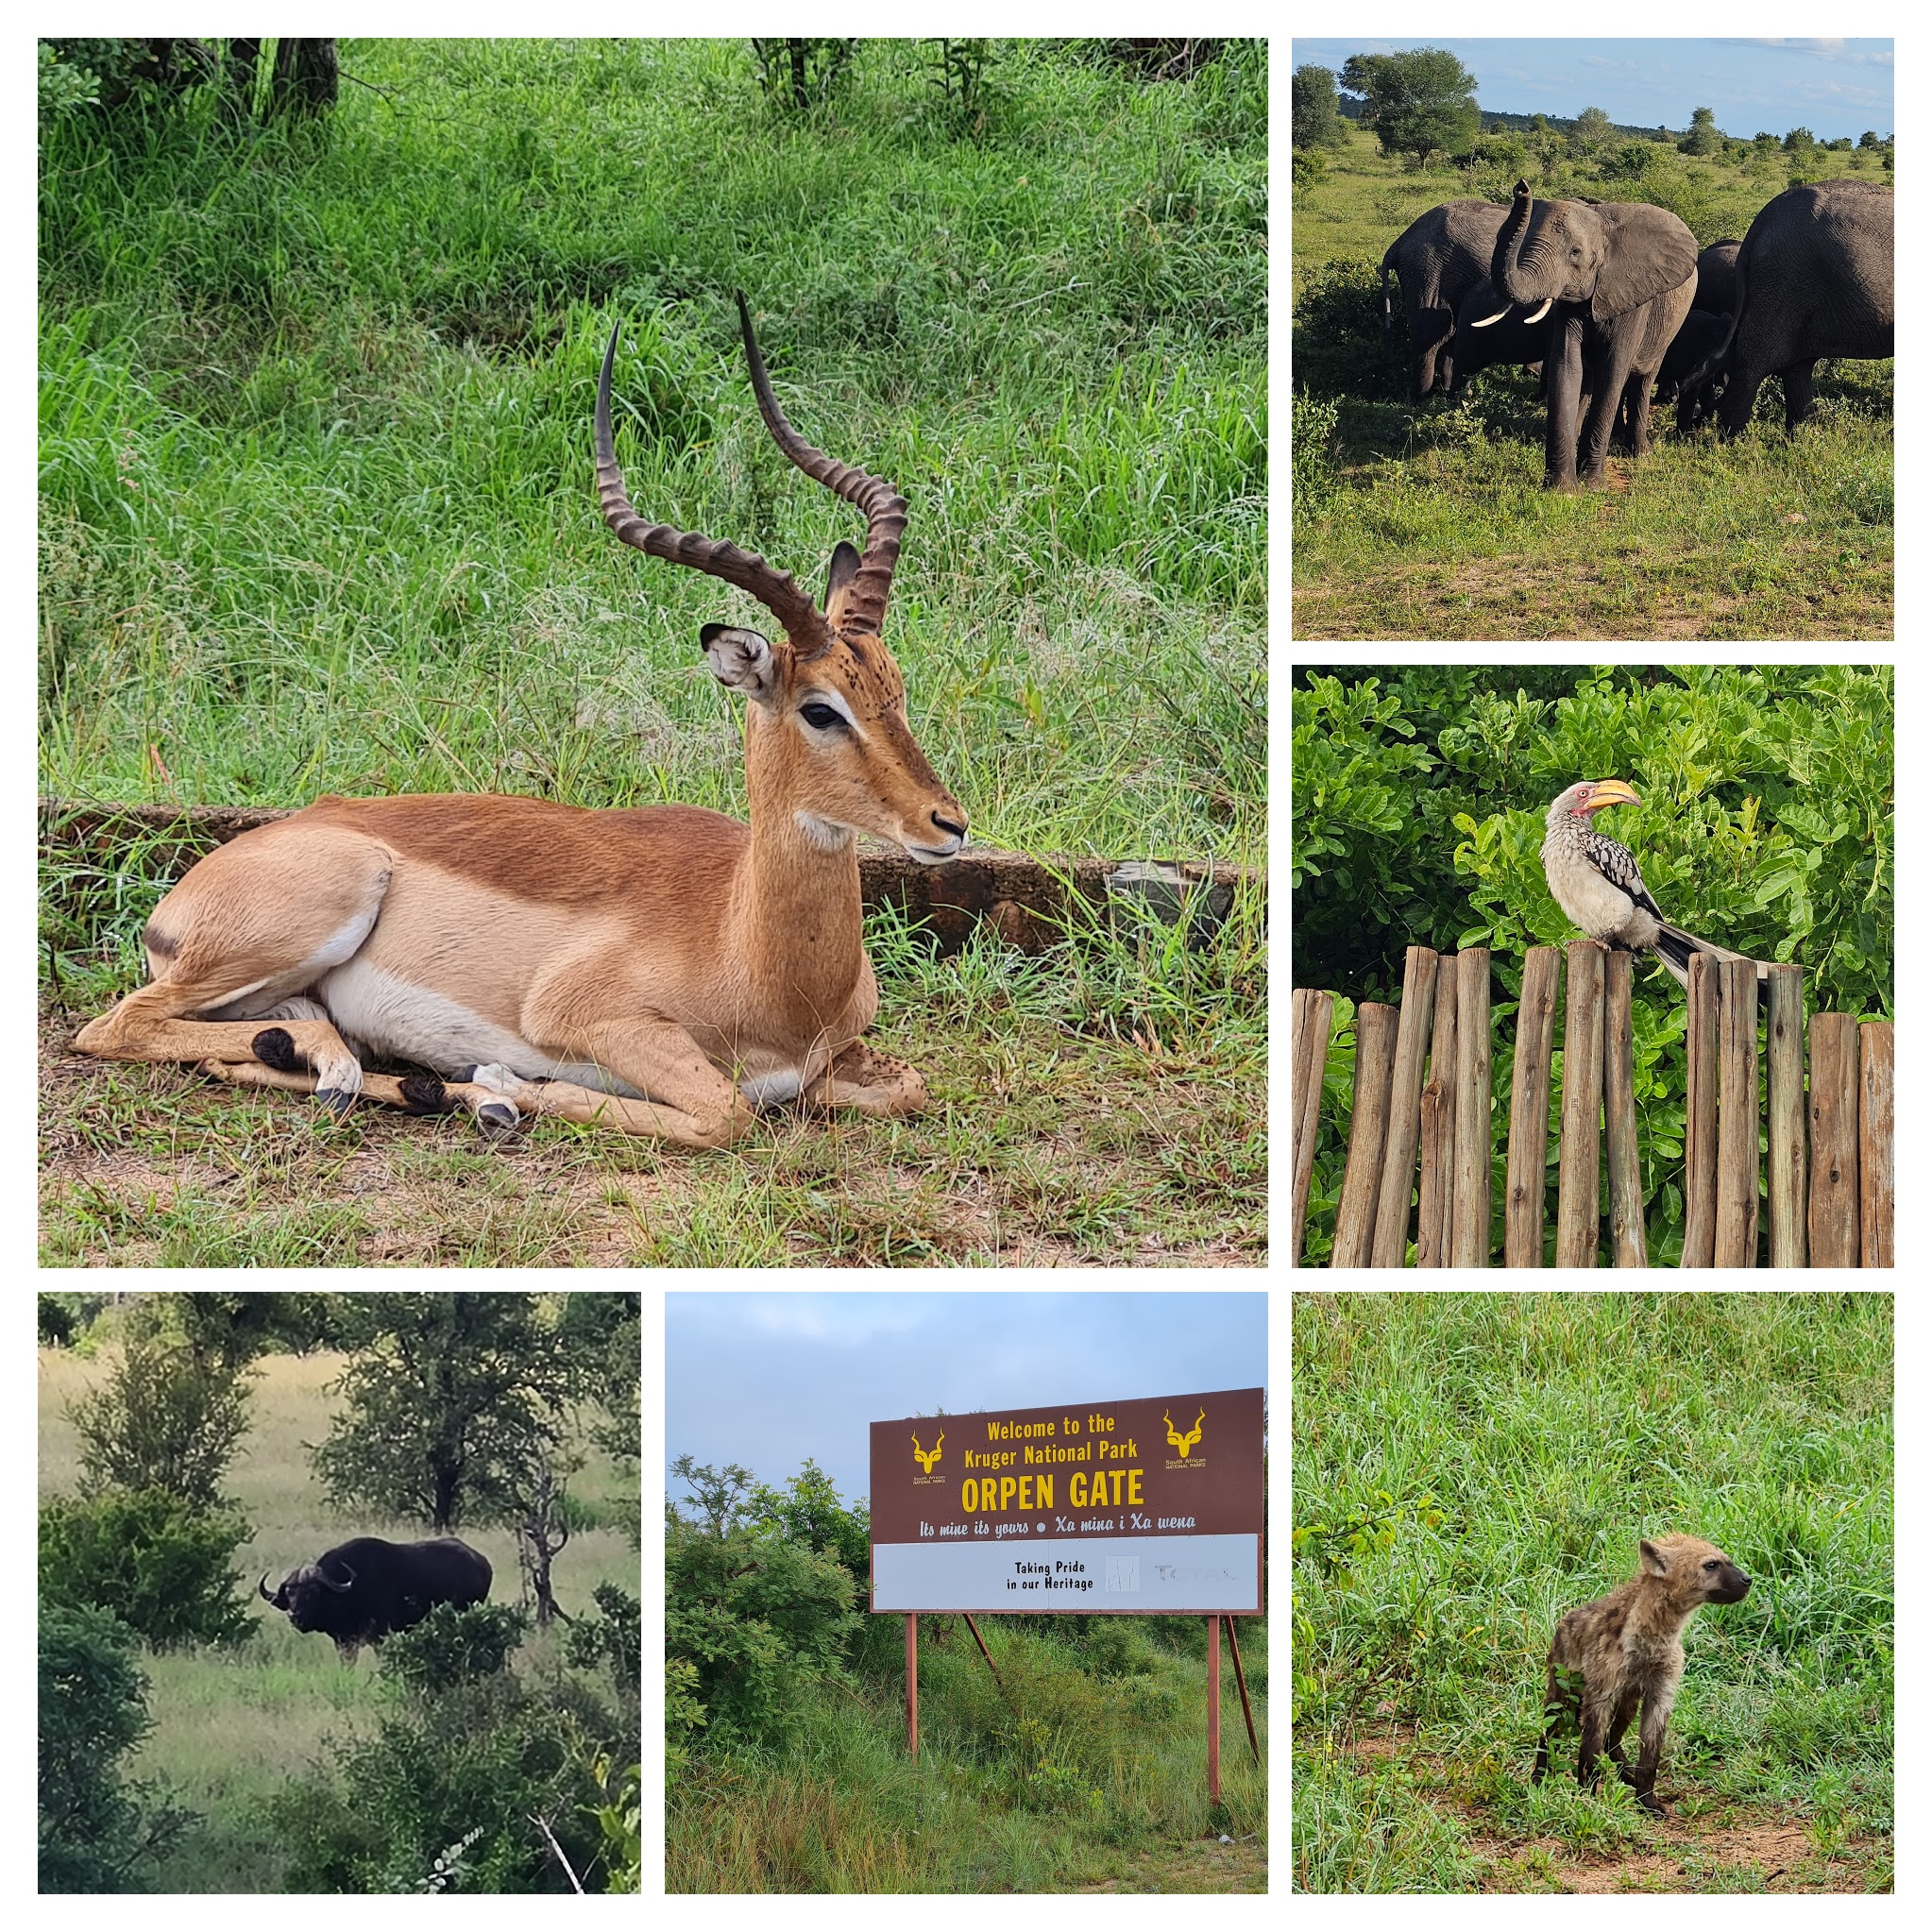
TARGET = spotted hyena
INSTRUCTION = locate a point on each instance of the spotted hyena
(1628, 1648)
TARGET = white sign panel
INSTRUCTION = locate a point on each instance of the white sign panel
(1092, 1573)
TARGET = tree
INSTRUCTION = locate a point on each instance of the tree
(448, 1400)
(1317, 119)
(1704, 136)
(1591, 128)
(1416, 102)
(1869, 139)
(170, 1416)
(1800, 140)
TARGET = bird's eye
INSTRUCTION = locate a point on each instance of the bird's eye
(820, 717)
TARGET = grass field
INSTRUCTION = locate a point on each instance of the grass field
(1469, 1466)
(1088, 1774)
(317, 515)
(233, 1727)
(1431, 522)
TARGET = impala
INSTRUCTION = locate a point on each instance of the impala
(665, 970)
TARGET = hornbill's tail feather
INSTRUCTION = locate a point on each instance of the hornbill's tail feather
(1674, 947)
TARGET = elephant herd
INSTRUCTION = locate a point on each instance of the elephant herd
(1610, 300)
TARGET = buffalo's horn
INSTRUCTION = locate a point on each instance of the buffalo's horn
(261, 1588)
(1542, 312)
(324, 1575)
(1496, 317)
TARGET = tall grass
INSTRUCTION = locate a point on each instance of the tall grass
(1085, 1771)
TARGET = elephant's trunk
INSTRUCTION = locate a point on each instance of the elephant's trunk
(1505, 267)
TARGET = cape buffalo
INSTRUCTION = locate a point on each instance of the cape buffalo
(365, 1588)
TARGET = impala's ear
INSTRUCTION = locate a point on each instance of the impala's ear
(844, 568)
(742, 660)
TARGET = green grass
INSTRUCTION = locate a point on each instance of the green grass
(1469, 1467)
(232, 1726)
(1084, 1775)
(315, 514)
(1431, 521)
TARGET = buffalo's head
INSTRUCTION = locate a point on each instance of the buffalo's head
(308, 1594)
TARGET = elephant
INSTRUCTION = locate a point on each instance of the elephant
(1691, 350)
(1477, 348)
(1717, 278)
(1615, 281)
(1437, 259)
(1814, 279)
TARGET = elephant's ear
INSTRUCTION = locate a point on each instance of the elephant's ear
(1650, 251)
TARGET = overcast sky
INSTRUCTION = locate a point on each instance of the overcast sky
(767, 1380)
(1832, 87)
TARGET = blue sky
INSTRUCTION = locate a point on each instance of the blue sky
(767, 1380)
(1831, 87)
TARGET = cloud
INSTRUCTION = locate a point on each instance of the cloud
(1819, 50)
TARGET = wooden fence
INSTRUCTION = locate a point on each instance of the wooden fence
(1828, 1194)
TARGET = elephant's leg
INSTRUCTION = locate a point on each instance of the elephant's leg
(1744, 380)
(1636, 397)
(1797, 379)
(1607, 392)
(1563, 378)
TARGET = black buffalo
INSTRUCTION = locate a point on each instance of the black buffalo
(365, 1588)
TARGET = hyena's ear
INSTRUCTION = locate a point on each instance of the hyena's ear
(1654, 1558)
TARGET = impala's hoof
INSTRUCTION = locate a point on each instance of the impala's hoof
(498, 1118)
(336, 1100)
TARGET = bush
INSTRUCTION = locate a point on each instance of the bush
(1314, 480)
(92, 1711)
(612, 1641)
(1338, 333)
(1307, 166)
(162, 1569)
(468, 1769)
(453, 1646)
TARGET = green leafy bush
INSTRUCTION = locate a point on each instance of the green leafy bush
(453, 1645)
(94, 1829)
(163, 1568)
(1312, 454)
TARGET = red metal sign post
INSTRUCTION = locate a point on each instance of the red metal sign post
(1213, 1710)
(912, 1687)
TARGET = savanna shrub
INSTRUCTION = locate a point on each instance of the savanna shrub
(163, 1568)
(1337, 333)
(1312, 455)
(453, 1645)
(92, 1712)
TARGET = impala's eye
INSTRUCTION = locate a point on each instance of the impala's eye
(819, 717)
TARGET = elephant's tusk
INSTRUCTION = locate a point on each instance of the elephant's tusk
(1496, 317)
(1542, 312)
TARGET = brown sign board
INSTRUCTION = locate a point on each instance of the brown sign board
(1150, 1507)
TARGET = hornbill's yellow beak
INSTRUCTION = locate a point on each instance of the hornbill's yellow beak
(1612, 791)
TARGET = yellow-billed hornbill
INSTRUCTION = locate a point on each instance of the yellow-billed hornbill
(1596, 881)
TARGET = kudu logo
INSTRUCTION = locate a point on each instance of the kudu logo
(1186, 1460)
(927, 1458)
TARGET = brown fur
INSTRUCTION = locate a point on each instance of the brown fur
(1627, 1648)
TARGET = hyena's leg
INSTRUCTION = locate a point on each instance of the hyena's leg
(1588, 1770)
(1649, 1749)
(1557, 1707)
(1613, 1739)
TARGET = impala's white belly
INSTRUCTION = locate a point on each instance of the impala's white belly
(391, 1016)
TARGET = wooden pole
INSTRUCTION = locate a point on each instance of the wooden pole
(1213, 1710)
(983, 1650)
(1701, 1114)
(1390, 1248)
(1619, 1118)
(1833, 1225)
(1434, 1192)
(912, 1687)
(1442, 1076)
(1314, 1019)
(1375, 1066)
(1784, 1180)
(1874, 1148)
(1240, 1683)
(1582, 1100)
(1469, 1232)
(1736, 1245)
(1528, 1111)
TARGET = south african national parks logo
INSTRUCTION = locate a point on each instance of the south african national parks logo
(1185, 1443)
(925, 1459)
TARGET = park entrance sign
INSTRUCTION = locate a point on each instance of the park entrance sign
(1150, 1507)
